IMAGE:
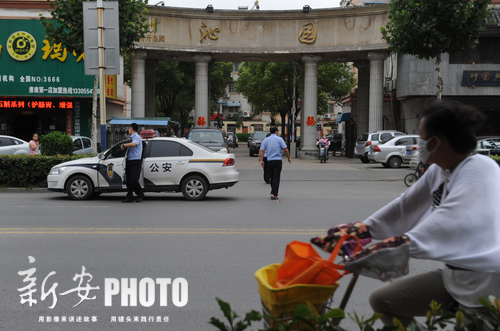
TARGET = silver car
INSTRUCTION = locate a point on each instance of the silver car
(488, 145)
(394, 151)
(367, 139)
(83, 145)
(13, 146)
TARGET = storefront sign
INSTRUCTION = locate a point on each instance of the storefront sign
(77, 117)
(481, 78)
(54, 104)
(111, 86)
(33, 66)
(69, 122)
(21, 46)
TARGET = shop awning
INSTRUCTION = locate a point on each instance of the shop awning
(151, 121)
(233, 104)
(343, 118)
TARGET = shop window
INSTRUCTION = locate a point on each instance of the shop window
(486, 52)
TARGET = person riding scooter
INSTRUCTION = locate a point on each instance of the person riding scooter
(324, 141)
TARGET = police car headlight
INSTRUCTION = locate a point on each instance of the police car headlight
(56, 170)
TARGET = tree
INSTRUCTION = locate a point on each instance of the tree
(238, 118)
(66, 27)
(268, 86)
(175, 88)
(429, 28)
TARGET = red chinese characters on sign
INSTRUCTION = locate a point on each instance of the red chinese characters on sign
(201, 121)
(310, 121)
(111, 86)
(69, 122)
(35, 104)
(65, 105)
(11, 104)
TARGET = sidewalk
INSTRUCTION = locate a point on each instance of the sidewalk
(246, 162)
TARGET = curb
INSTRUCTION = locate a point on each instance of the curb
(24, 190)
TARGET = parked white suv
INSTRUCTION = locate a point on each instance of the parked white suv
(365, 140)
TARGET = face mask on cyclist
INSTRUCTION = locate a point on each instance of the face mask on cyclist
(423, 152)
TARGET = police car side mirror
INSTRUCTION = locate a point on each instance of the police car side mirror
(101, 156)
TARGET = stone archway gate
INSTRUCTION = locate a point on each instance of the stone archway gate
(350, 34)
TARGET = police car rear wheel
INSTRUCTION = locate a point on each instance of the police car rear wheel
(194, 188)
(80, 188)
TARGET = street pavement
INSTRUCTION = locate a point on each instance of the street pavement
(215, 245)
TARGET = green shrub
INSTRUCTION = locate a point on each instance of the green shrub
(56, 143)
(305, 317)
(243, 137)
(29, 170)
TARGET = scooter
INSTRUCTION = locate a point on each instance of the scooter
(323, 153)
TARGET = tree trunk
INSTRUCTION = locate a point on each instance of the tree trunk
(439, 78)
(94, 114)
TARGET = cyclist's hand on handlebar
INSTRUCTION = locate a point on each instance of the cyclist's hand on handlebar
(357, 229)
(328, 242)
(384, 260)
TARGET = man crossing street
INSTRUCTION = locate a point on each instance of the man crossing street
(274, 145)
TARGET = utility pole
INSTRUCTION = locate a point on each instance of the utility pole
(102, 73)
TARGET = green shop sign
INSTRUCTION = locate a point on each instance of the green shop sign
(32, 66)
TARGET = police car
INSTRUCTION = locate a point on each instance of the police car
(169, 165)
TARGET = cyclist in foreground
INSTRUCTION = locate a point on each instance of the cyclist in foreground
(451, 215)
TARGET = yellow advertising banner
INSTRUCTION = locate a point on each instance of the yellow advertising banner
(110, 86)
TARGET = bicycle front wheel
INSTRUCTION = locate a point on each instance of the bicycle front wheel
(410, 179)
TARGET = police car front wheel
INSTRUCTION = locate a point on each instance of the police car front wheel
(79, 188)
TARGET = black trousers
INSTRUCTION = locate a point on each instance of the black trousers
(267, 175)
(133, 173)
(274, 168)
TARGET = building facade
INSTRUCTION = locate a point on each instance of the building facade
(43, 86)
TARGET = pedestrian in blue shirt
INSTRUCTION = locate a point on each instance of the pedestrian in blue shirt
(273, 147)
(267, 176)
(133, 165)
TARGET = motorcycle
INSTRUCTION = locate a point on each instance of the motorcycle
(411, 178)
(323, 152)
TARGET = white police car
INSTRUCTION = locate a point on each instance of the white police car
(169, 165)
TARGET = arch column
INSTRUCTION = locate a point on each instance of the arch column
(363, 103)
(139, 84)
(375, 121)
(149, 84)
(201, 104)
(309, 107)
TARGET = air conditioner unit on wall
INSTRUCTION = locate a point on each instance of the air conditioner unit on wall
(227, 95)
(246, 114)
(326, 116)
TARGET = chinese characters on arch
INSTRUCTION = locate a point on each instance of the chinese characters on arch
(307, 33)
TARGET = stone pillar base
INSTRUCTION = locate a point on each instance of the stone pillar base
(308, 154)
